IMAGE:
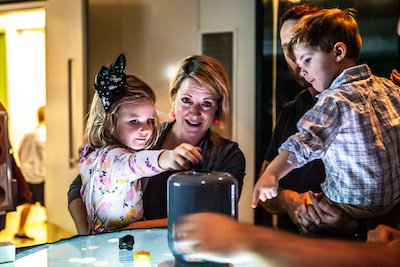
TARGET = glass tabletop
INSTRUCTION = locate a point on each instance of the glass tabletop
(103, 250)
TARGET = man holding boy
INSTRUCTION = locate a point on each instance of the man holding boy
(354, 127)
(294, 186)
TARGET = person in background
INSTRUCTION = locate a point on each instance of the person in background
(200, 97)
(219, 238)
(23, 193)
(122, 123)
(294, 186)
(357, 140)
(32, 158)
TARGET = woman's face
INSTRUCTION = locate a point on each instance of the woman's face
(195, 109)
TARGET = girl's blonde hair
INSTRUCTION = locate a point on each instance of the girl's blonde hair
(210, 74)
(101, 125)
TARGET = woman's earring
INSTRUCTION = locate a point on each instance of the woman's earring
(215, 121)
(172, 115)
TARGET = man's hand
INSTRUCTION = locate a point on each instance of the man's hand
(385, 234)
(292, 202)
(214, 237)
(322, 217)
(395, 77)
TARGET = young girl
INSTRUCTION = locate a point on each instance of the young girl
(122, 120)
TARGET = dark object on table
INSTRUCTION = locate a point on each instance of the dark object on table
(126, 242)
(192, 192)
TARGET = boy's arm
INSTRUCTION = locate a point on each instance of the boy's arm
(272, 205)
(287, 202)
(267, 186)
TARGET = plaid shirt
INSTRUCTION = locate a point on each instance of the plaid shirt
(355, 129)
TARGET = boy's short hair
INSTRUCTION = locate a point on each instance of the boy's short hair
(322, 30)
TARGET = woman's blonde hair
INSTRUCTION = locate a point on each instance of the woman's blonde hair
(210, 74)
(101, 125)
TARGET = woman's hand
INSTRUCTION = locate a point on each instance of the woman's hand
(180, 157)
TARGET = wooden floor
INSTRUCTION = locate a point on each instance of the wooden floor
(36, 227)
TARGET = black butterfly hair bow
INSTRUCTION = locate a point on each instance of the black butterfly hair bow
(109, 82)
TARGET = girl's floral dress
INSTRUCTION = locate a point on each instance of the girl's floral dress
(116, 187)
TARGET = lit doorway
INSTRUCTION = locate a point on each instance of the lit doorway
(23, 66)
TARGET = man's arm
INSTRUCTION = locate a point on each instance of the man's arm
(76, 207)
(218, 238)
(78, 213)
(148, 224)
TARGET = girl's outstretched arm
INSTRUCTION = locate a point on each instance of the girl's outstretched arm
(180, 157)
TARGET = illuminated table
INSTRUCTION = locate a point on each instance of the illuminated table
(102, 250)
